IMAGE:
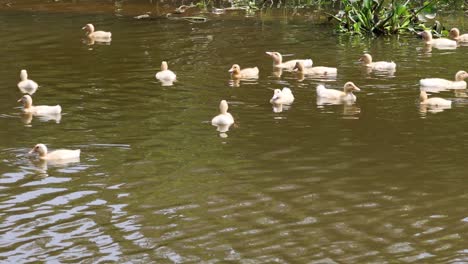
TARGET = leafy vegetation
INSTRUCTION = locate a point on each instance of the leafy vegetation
(376, 17)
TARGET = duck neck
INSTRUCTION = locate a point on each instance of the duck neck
(423, 97)
(277, 60)
(236, 74)
(23, 76)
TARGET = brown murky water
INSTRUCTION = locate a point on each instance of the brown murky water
(379, 181)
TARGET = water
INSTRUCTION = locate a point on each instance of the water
(380, 181)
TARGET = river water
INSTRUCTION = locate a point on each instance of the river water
(379, 181)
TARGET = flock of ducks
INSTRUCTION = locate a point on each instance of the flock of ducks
(280, 97)
(332, 96)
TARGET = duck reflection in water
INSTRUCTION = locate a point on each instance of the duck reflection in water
(43, 165)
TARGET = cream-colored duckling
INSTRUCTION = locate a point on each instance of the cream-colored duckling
(434, 101)
(317, 70)
(28, 107)
(278, 61)
(366, 59)
(345, 95)
(455, 34)
(224, 118)
(99, 36)
(459, 82)
(60, 154)
(166, 75)
(437, 43)
(237, 73)
(26, 85)
(283, 97)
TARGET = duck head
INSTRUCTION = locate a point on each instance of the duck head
(277, 58)
(41, 149)
(26, 100)
(350, 87)
(89, 28)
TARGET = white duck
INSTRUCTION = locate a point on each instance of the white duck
(440, 43)
(28, 107)
(434, 101)
(26, 85)
(317, 70)
(99, 36)
(455, 34)
(459, 82)
(166, 76)
(278, 61)
(281, 97)
(224, 118)
(61, 154)
(345, 95)
(366, 59)
(237, 73)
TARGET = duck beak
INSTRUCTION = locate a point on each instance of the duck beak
(231, 70)
(20, 100)
(31, 151)
(356, 89)
(269, 53)
(83, 27)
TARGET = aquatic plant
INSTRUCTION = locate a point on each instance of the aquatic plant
(373, 16)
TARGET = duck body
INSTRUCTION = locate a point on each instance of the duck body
(28, 107)
(459, 82)
(238, 73)
(100, 36)
(61, 154)
(366, 59)
(278, 61)
(281, 97)
(26, 85)
(224, 118)
(332, 94)
(437, 43)
(434, 101)
(318, 70)
(44, 110)
(166, 75)
(442, 83)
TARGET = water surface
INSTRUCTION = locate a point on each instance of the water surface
(381, 180)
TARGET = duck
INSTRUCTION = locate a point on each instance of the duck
(281, 97)
(345, 95)
(317, 70)
(25, 85)
(455, 34)
(60, 154)
(366, 60)
(459, 82)
(434, 101)
(278, 61)
(224, 118)
(437, 43)
(237, 73)
(99, 36)
(166, 76)
(28, 107)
